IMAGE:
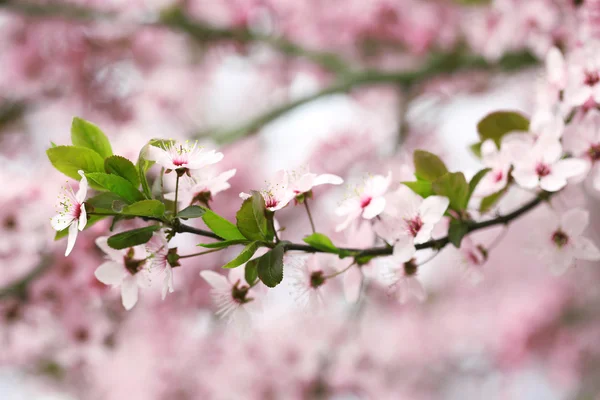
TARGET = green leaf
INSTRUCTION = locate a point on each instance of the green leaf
(497, 124)
(92, 219)
(251, 271)
(456, 232)
(251, 219)
(191, 212)
(86, 134)
(363, 260)
(476, 149)
(117, 185)
(321, 242)
(270, 266)
(122, 167)
(488, 202)
(70, 159)
(145, 208)
(244, 256)
(428, 166)
(422, 188)
(132, 238)
(475, 181)
(454, 186)
(103, 200)
(221, 226)
(223, 244)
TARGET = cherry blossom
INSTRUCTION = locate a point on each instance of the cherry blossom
(583, 75)
(544, 168)
(472, 258)
(303, 181)
(202, 188)
(499, 163)
(583, 141)
(72, 214)
(409, 219)
(558, 242)
(306, 278)
(230, 297)
(123, 268)
(402, 280)
(182, 157)
(368, 200)
(278, 194)
(158, 256)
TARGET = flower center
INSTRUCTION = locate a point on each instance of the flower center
(410, 267)
(542, 170)
(270, 201)
(179, 161)
(364, 202)
(498, 176)
(317, 279)
(414, 225)
(239, 293)
(76, 211)
(594, 152)
(591, 78)
(132, 265)
(560, 238)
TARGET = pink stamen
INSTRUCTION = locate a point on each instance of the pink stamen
(414, 225)
(542, 170)
(365, 202)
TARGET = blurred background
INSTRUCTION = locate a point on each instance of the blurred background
(348, 87)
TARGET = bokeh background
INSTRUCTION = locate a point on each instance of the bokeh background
(349, 87)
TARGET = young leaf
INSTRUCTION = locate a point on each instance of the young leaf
(191, 212)
(488, 202)
(251, 219)
(497, 124)
(251, 271)
(103, 200)
(145, 208)
(143, 166)
(221, 226)
(70, 159)
(223, 244)
(428, 166)
(476, 149)
(456, 232)
(86, 134)
(132, 238)
(270, 266)
(454, 186)
(244, 256)
(475, 181)
(117, 185)
(122, 167)
(321, 242)
(422, 188)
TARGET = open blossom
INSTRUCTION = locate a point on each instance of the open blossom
(583, 141)
(583, 75)
(401, 279)
(367, 202)
(301, 182)
(230, 295)
(409, 219)
(542, 166)
(72, 214)
(158, 255)
(472, 257)
(306, 278)
(124, 268)
(278, 194)
(499, 163)
(182, 157)
(202, 188)
(559, 242)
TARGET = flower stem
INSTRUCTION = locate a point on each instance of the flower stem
(201, 253)
(176, 196)
(340, 272)
(310, 218)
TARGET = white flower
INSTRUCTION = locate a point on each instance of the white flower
(558, 242)
(499, 163)
(303, 181)
(179, 156)
(409, 219)
(158, 252)
(231, 298)
(583, 141)
(278, 194)
(202, 188)
(124, 268)
(72, 213)
(543, 166)
(368, 202)
(583, 75)
(402, 279)
(306, 280)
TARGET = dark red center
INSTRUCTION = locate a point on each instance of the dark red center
(498, 176)
(560, 238)
(591, 78)
(414, 225)
(364, 202)
(542, 170)
(594, 152)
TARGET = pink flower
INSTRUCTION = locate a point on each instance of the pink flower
(409, 219)
(558, 242)
(303, 181)
(472, 259)
(306, 279)
(124, 268)
(158, 253)
(278, 194)
(499, 162)
(202, 188)
(543, 167)
(368, 202)
(402, 279)
(177, 156)
(583, 76)
(72, 213)
(231, 298)
(583, 141)
(556, 72)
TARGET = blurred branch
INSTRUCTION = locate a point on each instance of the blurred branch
(10, 111)
(19, 287)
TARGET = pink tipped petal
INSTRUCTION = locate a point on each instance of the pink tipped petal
(526, 178)
(404, 248)
(327, 179)
(82, 218)
(375, 208)
(110, 273)
(60, 222)
(574, 221)
(432, 209)
(129, 292)
(71, 239)
(585, 249)
(552, 183)
(217, 281)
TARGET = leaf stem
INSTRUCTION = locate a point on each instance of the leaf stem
(340, 271)
(176, 196)
(201, 253)
(310, 218)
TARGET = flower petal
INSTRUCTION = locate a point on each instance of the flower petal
(129, 292)
(217, 281)
(432, 209)
(115, 255)
(110, 273)
(374, 208)
(328, 179)
(552, 183)
(574, 221)
(83, 188)
(60, 221)
(526, 178)
(570, 167)
(82, 218)
(585, 249)
(404, 248)
(71, 239)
